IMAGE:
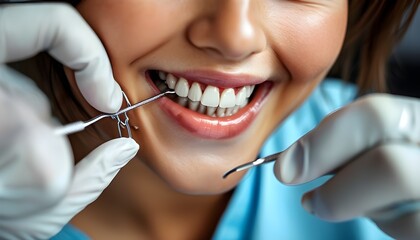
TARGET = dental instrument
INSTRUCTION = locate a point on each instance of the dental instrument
(81, 125)
(259, 161)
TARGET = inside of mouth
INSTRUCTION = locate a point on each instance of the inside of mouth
(160, 84)
(198, 106)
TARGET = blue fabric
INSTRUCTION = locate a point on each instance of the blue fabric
(70, 233)
(262, 208)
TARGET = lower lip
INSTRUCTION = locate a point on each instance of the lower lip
(208, 127)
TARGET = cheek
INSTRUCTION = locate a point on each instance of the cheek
(129, 30)
(309, 45)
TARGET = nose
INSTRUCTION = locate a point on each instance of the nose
(230, 29)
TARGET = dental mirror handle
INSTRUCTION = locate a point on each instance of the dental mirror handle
(70, 128)
(78, 126)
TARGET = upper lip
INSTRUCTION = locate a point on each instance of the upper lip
(219, 79)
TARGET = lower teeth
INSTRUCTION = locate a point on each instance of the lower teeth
(162, 87)
(210, 111)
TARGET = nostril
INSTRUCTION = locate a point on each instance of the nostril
(229, 32)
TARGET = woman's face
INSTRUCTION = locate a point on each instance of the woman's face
(239, 68)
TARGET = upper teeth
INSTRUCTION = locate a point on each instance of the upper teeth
(221, 104)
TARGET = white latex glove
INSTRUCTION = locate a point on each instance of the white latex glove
(27, 29)
(40, 190)
(372, 148)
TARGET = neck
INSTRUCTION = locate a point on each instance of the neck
(139, 205)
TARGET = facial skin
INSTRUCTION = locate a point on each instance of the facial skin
(290, 44)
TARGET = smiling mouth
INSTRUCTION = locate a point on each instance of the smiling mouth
(205, 99)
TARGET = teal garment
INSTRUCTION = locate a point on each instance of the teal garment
(263, 208)
(70, 233)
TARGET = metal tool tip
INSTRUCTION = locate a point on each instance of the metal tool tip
(229, 172)
(166, 90)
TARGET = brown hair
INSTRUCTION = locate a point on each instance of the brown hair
(374, 28)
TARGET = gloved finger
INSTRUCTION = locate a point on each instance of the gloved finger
(35, 163)
(375, 182)
(347, 133)
(404, 227)
(92, 175)
(18, 87)
(28, 29)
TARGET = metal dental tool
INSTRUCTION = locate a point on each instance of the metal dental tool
(259, 161)
(81, 125)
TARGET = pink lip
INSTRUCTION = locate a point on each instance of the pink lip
(208, 127)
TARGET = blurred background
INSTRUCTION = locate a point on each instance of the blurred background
(404, 65)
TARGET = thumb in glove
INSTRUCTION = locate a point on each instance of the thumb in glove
(91, 176)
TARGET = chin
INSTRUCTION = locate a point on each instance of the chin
(200, 181)
(199, 171)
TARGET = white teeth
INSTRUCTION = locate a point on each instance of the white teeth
(229, 111)
(171, 81)
(220, 112)
(209, 102)
(227, 99)
(252, 87)
(162, 75)
(235, 109)
(193, 105)
(211, 97)
(161, 86)
(195, 92)
(183, 101)
(211, 110)
(181, 88)
(201, 108)
(244, 103)
(241, 96)
(248, 91)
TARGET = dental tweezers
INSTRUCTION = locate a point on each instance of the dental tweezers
(81, 125)
(259, 161)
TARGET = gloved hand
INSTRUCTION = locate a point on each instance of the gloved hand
(372, 149)
(40, 189)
